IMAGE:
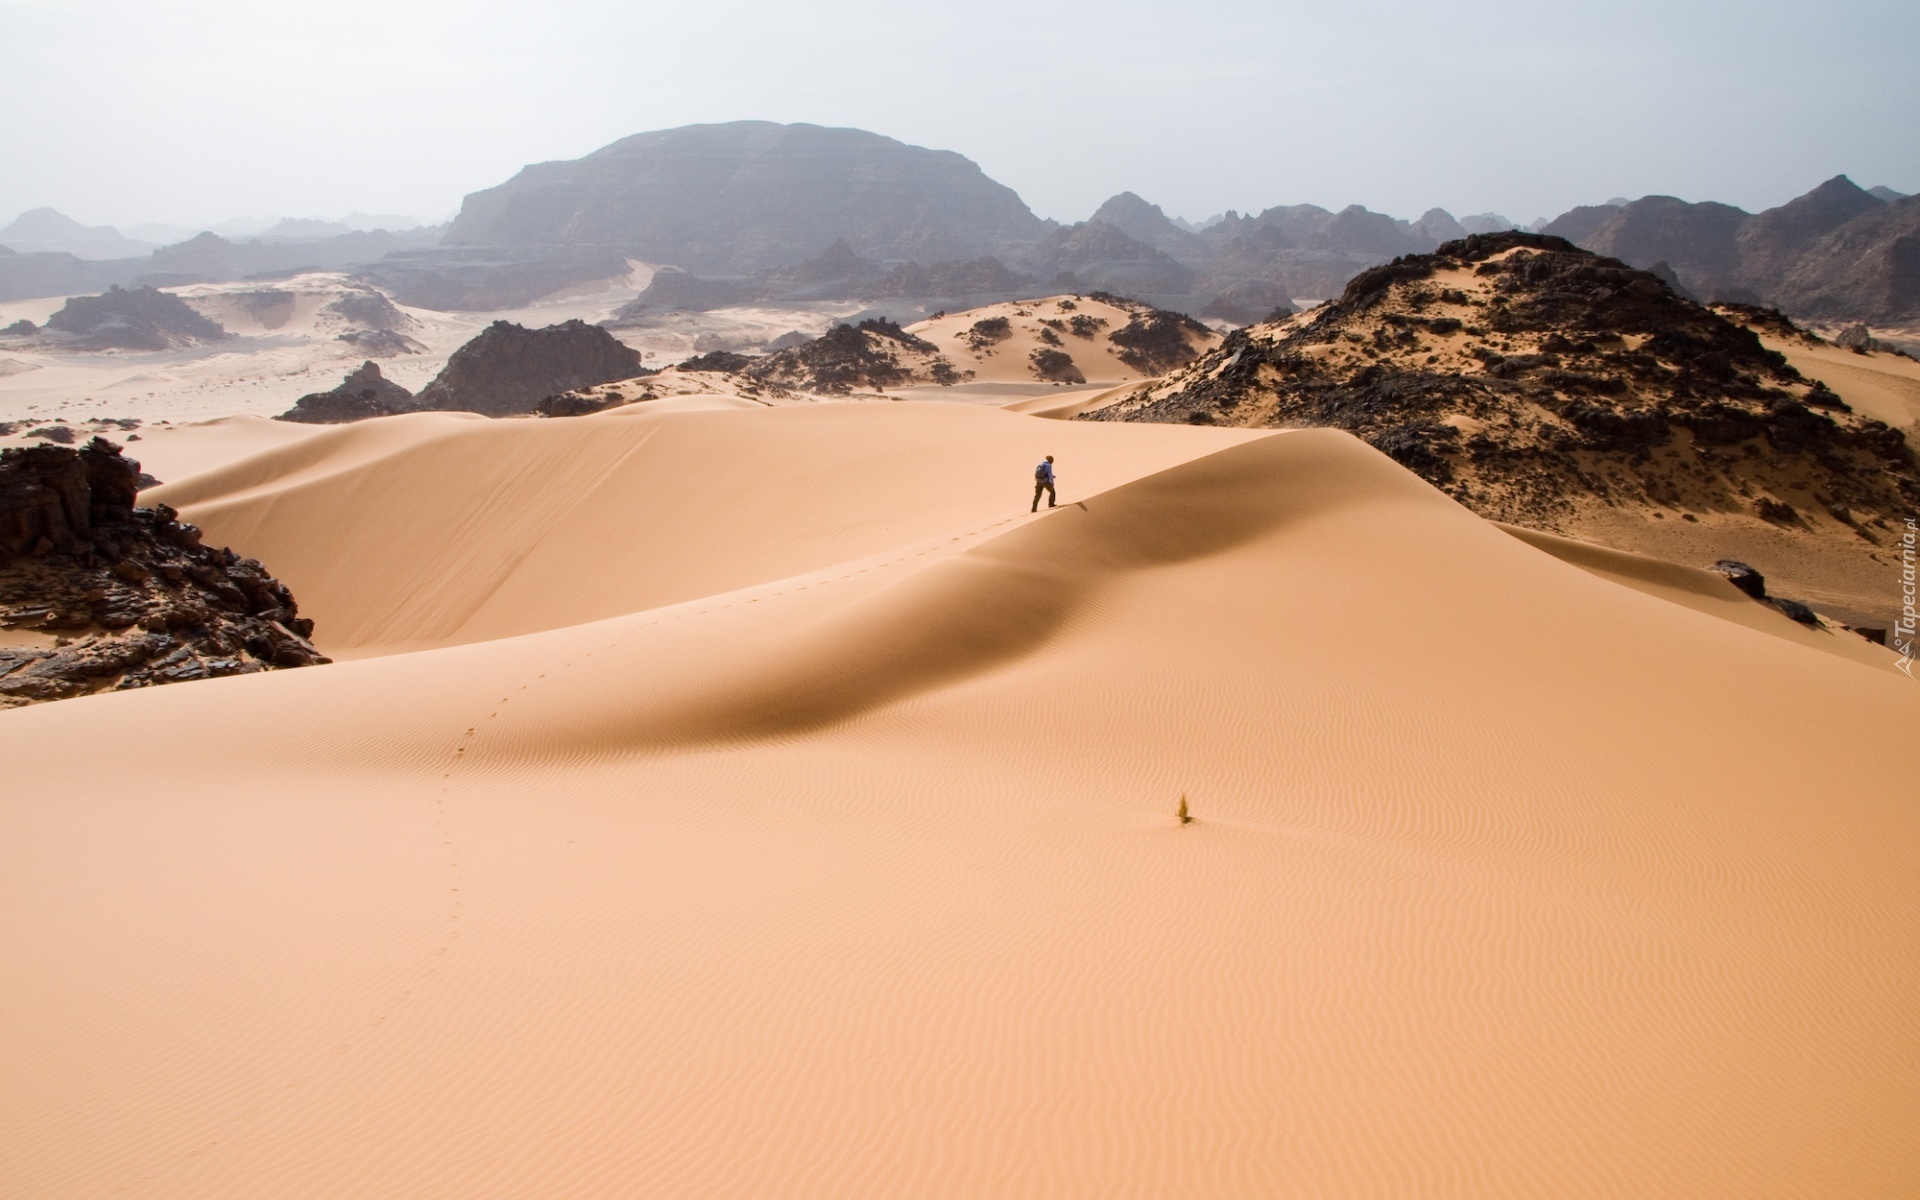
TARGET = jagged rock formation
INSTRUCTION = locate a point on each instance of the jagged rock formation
(1523, 374)
(752, 195)
(124, 597)
(508, 369)
(362, 394)
(141, 319)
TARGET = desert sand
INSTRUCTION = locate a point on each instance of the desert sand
(725, 801)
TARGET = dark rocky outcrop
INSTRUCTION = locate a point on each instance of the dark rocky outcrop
(1522, 374)
(124, 597)
(362, 394)
(508, 369)
(140, 319)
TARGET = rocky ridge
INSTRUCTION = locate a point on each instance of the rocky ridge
(110, 596)
(1526, 376)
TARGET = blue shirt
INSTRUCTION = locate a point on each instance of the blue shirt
(1043, 473)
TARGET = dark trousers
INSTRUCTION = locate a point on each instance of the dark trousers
(1042, 485)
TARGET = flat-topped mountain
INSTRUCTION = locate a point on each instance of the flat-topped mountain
(749, 195)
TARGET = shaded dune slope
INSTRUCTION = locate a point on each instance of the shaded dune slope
(516, 527)
(859, 877)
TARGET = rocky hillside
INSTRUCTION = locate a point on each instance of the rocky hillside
(1534, 380)
(508, 369)
(875, 354)
(100, 595)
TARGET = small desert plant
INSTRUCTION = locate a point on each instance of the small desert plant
(1186, 818)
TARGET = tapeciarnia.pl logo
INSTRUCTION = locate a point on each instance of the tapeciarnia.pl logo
(1903, 629)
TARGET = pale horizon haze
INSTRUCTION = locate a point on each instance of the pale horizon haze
(200, 111)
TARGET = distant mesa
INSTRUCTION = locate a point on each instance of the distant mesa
(508, 369)
(747, 196)
(363, 394)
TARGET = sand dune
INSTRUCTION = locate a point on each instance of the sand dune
(779, 809)
(1009, 358)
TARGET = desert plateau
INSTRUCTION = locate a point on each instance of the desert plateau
(564, 700)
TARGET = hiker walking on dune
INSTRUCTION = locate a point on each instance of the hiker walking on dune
(1043, 482)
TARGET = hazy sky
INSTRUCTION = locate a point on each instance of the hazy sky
(189, 111)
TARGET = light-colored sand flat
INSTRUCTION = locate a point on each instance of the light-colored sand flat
(786, 812)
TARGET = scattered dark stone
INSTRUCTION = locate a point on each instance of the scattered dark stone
(1055, 366)
(1156, 341)
(54, 433)
(1776, 510)
(1877, 636)
(1795, 610)
(578, 404)
(989, 330)
(725, 361)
